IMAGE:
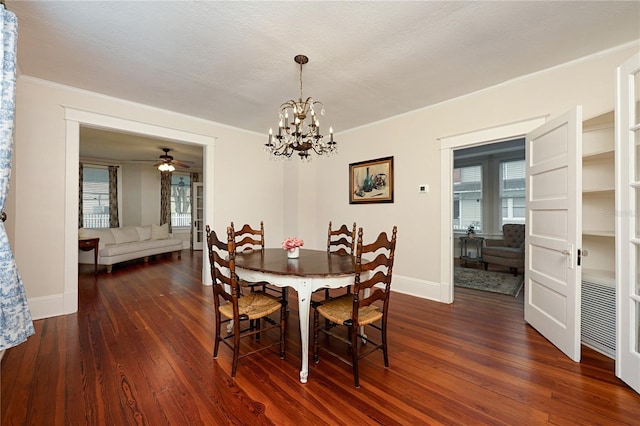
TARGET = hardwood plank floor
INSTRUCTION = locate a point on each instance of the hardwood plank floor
(139, 352)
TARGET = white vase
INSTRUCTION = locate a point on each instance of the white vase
(293, 253)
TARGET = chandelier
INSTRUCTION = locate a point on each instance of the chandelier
(299, 128)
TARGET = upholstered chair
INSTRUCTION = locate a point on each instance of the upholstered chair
(509, 251)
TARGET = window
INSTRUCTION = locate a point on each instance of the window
(467, 197)
(489, 187)
(95, 197)
(180, 201)
(512, 192)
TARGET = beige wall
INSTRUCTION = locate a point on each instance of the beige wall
(292, 198)
(412, 139)
(45, 166)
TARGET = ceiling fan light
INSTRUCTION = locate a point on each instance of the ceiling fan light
(165, 167)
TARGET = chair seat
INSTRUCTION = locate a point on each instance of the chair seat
(506, 252)
(253, 306)
(339, 310)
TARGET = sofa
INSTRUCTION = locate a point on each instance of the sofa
(127, 243)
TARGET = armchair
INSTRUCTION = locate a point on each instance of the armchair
(509, 251)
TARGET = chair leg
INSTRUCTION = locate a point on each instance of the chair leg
(236, 347)
(316, 325)
(216, 344)
(353, 331)
(384, 342)
(283, 326)
(486, 265)
(258, 325)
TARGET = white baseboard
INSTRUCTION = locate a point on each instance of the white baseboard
(47, 307)
(415, 287)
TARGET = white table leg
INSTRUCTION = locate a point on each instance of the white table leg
(304, 302)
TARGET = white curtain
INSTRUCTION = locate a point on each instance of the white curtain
(15, 317)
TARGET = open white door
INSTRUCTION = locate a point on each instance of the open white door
(554, 236)
(627, 222)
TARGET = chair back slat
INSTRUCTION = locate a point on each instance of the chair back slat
(248, 238)
(383, 249)
(222, 260)
(342, 240)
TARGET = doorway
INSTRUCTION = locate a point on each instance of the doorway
(488, 192)
(74, 119)
(448, 145)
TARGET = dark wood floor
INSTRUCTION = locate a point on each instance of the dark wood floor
(139, 352)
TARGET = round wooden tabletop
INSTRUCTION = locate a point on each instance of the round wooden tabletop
(311, 263)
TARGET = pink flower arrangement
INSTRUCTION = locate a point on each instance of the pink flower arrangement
(292, 243)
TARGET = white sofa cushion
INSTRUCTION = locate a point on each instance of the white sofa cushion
(138, 249)
(159, 232)
(126, 234)
(105, 235)
(144, 232)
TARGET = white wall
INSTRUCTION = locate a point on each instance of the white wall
(412, 139)
(292, 199)
(45, 166)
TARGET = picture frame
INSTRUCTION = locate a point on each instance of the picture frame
(371, 181)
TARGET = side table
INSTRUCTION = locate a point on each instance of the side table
(88, 244)
(467, 243)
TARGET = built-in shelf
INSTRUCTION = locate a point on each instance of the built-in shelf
(598, 234)
(599, 276)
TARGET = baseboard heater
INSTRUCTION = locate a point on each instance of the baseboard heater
(598, 323)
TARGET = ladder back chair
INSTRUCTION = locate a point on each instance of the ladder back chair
(356, 310)
(237, 310)
(250, 239)
(341, 241)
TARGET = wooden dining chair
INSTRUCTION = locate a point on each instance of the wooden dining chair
(250, 239)
(341, 241)
(356, 310)
(237, 309)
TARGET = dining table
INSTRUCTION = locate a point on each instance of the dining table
(311, 271)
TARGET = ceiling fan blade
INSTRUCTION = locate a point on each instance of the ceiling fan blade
(183, 164)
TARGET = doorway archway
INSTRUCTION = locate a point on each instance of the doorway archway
(74, 118)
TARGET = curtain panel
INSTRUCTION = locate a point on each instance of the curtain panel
(195, 177)
(80, 202)
(165, 199)
(114, 222)
(15, 318)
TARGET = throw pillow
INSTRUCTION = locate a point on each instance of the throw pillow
(127, 234)
(160, 232)
(105, 235)
(144, 232)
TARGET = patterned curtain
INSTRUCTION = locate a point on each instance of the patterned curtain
(15, 317)
(165, 199)
(80, 204)
(114, 222)
(194, 178)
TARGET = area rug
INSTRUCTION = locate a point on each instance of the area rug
(495, 282)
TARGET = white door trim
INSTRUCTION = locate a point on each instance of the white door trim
(74, 119)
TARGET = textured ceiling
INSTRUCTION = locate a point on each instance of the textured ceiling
(232, 62)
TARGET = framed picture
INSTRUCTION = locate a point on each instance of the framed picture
(371, 181)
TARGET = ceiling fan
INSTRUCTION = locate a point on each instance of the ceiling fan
(168, 163)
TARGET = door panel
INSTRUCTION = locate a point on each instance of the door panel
(552, 278)
(628, 222)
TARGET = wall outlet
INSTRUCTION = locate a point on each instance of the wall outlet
(423, 188)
